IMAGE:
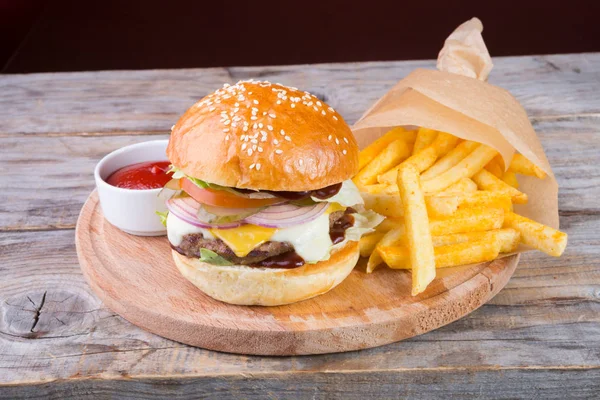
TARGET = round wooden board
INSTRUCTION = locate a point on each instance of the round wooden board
(137, 278)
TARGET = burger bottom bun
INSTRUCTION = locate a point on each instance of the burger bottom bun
(243, 285)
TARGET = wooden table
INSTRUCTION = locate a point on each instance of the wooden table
(540, 337)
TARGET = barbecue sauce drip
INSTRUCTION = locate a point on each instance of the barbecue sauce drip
(338, 230)
(286, 260)
(322, 194)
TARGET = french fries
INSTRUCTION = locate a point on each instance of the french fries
(523, 166)
(450, 159)
(536, 235)
(378, 145)
(389, 157)
(464, 185)
(447, 202)
(424, 138)
(469, 220)
(466, 168)
(390, 237)
(367, 243)
(398, 257)
(485, 180)
(510, 178)
(418, 235)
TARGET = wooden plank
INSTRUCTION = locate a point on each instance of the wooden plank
(62, 169)
(151, 101)
(547, 318)
(484, 383)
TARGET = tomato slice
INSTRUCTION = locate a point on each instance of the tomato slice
(221, 198)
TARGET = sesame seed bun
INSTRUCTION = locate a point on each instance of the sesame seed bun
(245, 285)
(264, 136)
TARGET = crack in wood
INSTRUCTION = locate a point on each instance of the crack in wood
(38, 311)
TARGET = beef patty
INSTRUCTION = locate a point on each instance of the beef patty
(192, 243)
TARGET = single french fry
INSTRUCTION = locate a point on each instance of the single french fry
(510, 178)
(443, 143)
(421, 161)
(388, 224)
(372, 150)
(536, 235)
(487, 181)
(464, 185)
(388, 239)
(485, 198)
(377, 188)
(466, 253)
(368, 242)
(468, 220)
(418, 235)
(523, 166)
(466, 168)
(385, 204)
(424, 138)
(508, 238)
(442, 206)
(448, 161)
(398, 257)
(389, 157)
(495, 168)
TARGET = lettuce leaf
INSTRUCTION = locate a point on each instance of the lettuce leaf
(210, 257)
(163, 217)
(348, 196)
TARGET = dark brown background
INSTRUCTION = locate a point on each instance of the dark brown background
(62, 35)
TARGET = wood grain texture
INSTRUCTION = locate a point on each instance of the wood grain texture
(135, 277)
(539, 337)
(141, 101)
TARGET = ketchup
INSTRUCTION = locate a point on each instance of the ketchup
(140, 176)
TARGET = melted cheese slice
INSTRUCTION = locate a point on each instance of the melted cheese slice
(243, 239)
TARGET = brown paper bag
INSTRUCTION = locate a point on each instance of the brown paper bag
(457, 100)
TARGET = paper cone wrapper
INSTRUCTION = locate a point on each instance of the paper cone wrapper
(469, 108)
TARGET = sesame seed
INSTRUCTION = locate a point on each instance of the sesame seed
(264, 113)
(254, 147)
(254, 125)
(319, 103)
(211, 109)
(323, 112)
(258, 166)
(300, 161)
(227, 137)
(264, 139)
(253, 141)
(172, 127)
(255, 101)
(272, 115)
(236, 104)
(293, 105)
(260, 149)
(337, 141)
(227, 122)
(254, 117)
(334, 117)
(344, 151)
(251, 166)
(329, 137)
(315, 108)
(244, 146)
(282, 132)
(278, 101)
(345, 140)
(289, 139)
(249, 152)
(226, 130)
(269, 127)
(278, 151)
(275, 142)
(310, 104)
(260, 125)
(245, 128)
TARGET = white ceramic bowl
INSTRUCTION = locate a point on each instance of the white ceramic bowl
(132, 211)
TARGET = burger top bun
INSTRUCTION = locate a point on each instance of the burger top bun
(264, 136)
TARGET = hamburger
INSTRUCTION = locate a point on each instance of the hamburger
(265, 212)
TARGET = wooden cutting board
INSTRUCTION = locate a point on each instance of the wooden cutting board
(136, 278)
